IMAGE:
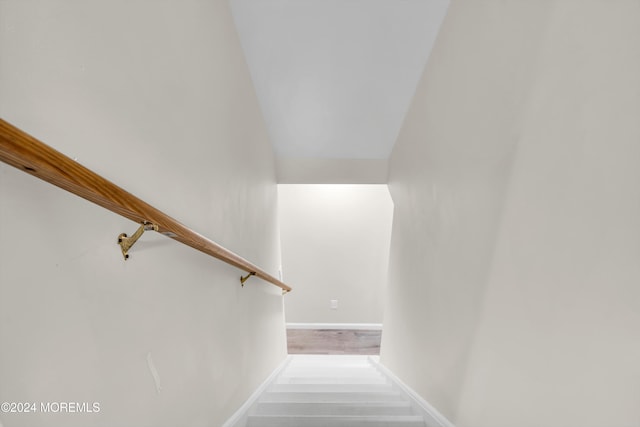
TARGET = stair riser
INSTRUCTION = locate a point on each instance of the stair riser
(332, 388)
(330, 374)
(337, 421)
(329, 397)
(353, 408)
(362, 368)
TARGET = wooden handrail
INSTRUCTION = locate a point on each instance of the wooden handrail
(26, 153)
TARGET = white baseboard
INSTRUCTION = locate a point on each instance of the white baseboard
(358, 326)
(431, 415)
(239, 418)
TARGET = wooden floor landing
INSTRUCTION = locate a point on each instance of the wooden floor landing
(333, 341)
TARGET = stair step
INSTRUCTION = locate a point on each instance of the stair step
(335, 364)
(330, 396)
(336, 388)
(377, 379)
(334, 421)
(328, 358)
(345, 364)
(330, 371)
(333, 408)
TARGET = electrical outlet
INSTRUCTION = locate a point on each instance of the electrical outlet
(334, 304)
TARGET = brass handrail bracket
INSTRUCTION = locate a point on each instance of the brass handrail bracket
(127, 243)
(245, 278)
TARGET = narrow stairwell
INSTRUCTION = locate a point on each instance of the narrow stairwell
(316, 390)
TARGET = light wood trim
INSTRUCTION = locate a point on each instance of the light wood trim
(26, 153)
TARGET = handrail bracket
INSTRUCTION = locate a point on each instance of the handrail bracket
(245, 278)
(127, 243)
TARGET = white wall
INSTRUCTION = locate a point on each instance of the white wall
(156, 97)
(335, 246)
(516, 189)
(304, 170)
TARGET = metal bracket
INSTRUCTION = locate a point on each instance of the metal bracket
(127, 243)
(284, 292)
(245, 278)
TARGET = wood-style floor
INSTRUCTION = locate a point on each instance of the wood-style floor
(333, 341)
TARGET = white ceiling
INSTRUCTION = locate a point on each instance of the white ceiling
(335, 77)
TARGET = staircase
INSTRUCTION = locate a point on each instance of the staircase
(331, 391)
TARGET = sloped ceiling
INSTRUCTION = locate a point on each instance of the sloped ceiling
(335, 77)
